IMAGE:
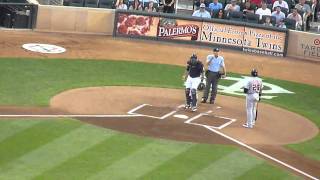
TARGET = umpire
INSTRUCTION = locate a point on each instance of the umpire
(214, 64)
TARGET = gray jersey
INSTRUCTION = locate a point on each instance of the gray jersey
(254, 85)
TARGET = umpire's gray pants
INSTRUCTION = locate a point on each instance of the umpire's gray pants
(211, 82)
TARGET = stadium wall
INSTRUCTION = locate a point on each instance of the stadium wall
(304, 45)
(75, 20)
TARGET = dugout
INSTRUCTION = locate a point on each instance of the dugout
(17, 15)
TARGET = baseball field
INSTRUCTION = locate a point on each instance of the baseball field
(106, 109)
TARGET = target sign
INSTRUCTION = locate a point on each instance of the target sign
(316, 42)
(44, 48)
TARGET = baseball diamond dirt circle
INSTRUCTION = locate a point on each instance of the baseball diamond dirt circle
(147, 113)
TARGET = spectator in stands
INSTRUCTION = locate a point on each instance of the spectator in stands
(248, 8)
(305, 8)
(296, 16)
(202, 12)
(257, 3)
(278, 15)
(168, 6)
(121, 5)
(263, 10)
(281, 25)
(233, 6)
(215, 6)
(267, 22)
(280, 3)
(199, 2)
(135, 5)
(151, 7)
(316, 7)
(220, 14)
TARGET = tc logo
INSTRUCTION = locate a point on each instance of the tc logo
(237, 88)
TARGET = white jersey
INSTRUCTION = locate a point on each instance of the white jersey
(254, 85)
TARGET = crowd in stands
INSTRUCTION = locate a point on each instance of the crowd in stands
(292, 14)
(297, 14)
(167, 6)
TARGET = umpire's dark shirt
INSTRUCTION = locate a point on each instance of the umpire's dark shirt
(195, 70)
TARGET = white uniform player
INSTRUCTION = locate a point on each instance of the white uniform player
(193, 77)
(253, 89)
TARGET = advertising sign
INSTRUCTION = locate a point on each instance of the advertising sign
(178, 29)
(262, 41)
(228, 35)
(136, 25)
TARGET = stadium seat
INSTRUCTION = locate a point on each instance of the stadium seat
(252, 18)
(290, 23)
(236, 16)
(78, 3)
(91, 3)
(106, 4)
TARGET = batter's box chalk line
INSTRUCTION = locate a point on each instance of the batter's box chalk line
(134, 110)
(230, 120)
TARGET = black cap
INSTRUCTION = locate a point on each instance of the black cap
(216, 50)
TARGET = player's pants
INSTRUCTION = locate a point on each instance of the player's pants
(212, 82)
(191, 85)
(251, 104)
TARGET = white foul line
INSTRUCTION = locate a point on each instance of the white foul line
(261, 153)
(67, 115)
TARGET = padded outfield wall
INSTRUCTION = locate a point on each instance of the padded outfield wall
(304, 45)
(75, 19)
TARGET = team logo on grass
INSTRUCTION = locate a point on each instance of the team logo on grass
(235, 88)
(44, 48)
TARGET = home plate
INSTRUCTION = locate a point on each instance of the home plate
(181, 116)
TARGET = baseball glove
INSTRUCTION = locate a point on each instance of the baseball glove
(201, 86)
(220, 74)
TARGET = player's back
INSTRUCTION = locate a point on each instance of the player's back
(254, 85)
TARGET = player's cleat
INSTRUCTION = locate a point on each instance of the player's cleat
(247, 126)
(187, 106)
(194, 109)
(203, 100)
(211, 101)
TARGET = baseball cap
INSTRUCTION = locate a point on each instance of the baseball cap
(216, 49)
(202, 5)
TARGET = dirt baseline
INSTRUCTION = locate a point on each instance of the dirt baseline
(274, 127)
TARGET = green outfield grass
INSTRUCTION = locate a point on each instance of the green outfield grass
(67, 149)
(32, 82)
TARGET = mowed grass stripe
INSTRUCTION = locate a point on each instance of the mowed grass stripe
(189, 162)
(142, 161)
(33, 137)
(96, 158)
(267, 171)
(10, 127)
(228, 167)
(55, 152)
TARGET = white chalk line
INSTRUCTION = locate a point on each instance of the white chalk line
(66, 115)
(189, 121)
(261, 153)
(133, 112)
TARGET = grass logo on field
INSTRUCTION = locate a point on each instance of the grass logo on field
(236, 88)
(44, 48)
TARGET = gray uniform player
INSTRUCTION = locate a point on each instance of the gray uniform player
(253, 89)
